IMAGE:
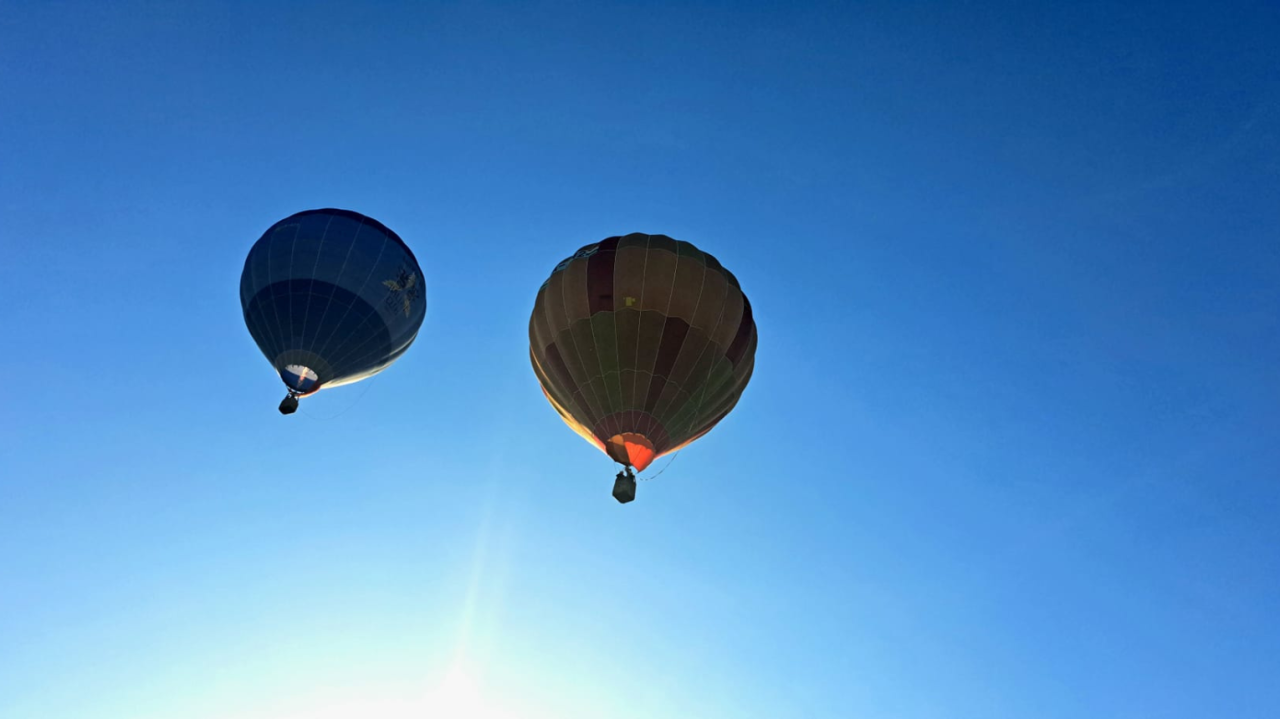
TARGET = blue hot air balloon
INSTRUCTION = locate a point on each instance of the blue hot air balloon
(331, 297)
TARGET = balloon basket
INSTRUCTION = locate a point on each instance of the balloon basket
(624, 487)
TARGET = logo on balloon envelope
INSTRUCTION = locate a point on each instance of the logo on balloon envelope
(404, 290)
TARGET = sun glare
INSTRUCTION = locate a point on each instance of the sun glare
(455, 695)
(458, 696)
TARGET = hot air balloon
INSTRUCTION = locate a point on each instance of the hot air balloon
(331, 297)
(642, 343)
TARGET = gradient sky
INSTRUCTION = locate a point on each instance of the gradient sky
(1011, 448)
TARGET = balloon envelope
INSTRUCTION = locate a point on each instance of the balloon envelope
(642, 343)
(331, 297)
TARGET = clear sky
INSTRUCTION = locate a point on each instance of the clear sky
(1011, 448)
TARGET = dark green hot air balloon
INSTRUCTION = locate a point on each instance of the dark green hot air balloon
(642, 344)
(331, 297)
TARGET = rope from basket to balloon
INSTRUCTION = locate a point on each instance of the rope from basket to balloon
(673, 458)
(367, 384)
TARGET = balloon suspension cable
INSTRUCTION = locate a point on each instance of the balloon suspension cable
(368, 383)
(668, 466)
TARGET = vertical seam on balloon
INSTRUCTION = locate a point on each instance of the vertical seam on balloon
(680, 387)
(708, 396)
(604, 407)
(314, 266)
(292, 248)
(568, 327)
(725, 389)
(538, 344)
(282, 338)
(666, 316)
(685, 340)
(564, 284)
(697, 420)
(346, 357)
(644, 276)
(570, 402)
(688, 432)
(253, 275)
(372, 268)
(616, 418)
(278, 347)
(733, 388)
(346, 259)
(311, 279)
(581, 404)
(606, 418)
(358, 360)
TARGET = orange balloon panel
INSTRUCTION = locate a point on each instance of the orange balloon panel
(642, 344)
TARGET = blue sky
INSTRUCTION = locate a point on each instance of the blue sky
(1010, 450)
